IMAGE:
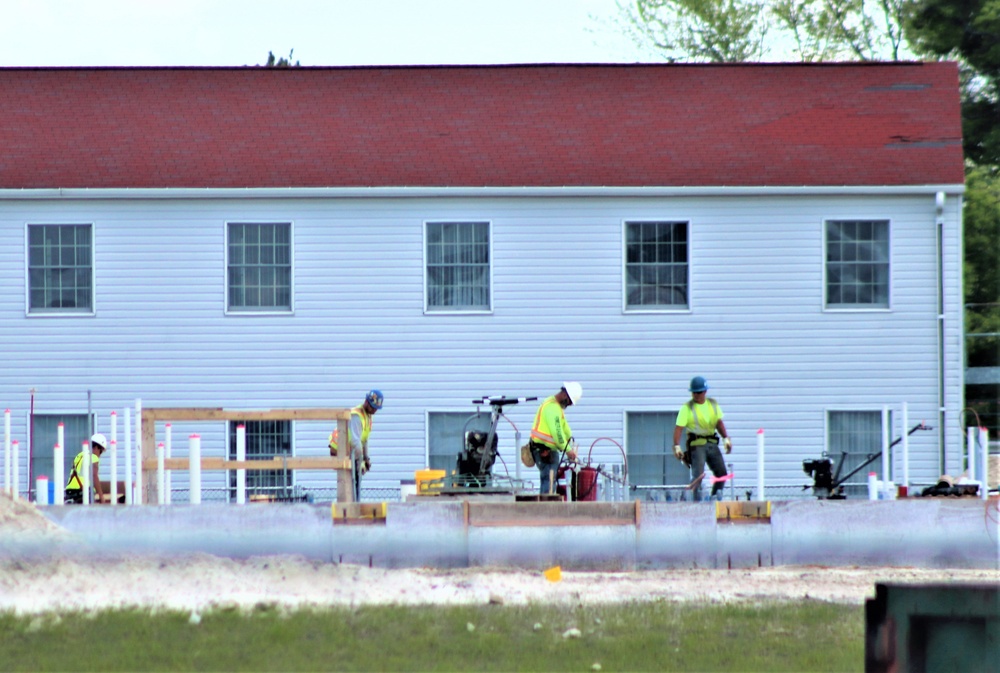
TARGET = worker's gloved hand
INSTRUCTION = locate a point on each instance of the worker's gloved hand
(728, 443)
(678, 454)
(366, 465)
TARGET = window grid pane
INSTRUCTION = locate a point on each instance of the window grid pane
(857, 263)
(656, 266)
(60, 268)
(651, 460)
(458, 266)
(264, 440)
(446, 438)
(260, 270)
(858, 434)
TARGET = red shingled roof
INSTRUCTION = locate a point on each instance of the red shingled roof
(500, 126)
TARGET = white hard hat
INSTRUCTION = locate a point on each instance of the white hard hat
(574, 390)
(100, 440)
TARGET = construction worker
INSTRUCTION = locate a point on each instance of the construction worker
(74, 488)
(701, 416)
(551, 437)
(358, 429)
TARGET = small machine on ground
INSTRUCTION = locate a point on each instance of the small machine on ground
(828, 484)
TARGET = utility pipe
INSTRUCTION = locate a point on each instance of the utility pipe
(906, 448)
(31, 441)
(16, 483)
(161, 477)
(167, 454)
(760, 465)
(984, 442)
(58, 472)
(84, 472)
(241, 455)
(886, 478)
(194, 467)
(139, 497)
(114, 458)
(6, 450)
(128, 458)
(59, 466)
(970, 452)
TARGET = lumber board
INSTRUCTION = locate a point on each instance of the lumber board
(291, 463)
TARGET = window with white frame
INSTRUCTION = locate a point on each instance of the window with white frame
(60, 268)
(264, 440)
(649, 444)
(857, 263)
(446, 436)
(656, 265)
(259, 267)
(853, 437)
(458, 266)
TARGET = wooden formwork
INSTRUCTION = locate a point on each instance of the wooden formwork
(152, 416)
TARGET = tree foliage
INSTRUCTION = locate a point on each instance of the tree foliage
(273, 62)
(968, 31)
(753, 30)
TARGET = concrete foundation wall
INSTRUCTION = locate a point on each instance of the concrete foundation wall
(930, 533)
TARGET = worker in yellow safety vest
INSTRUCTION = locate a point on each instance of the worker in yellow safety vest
(74, 487)
(358, 429)
(701, 416)
(551, 436)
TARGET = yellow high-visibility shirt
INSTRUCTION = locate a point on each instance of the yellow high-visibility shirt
(550, 427)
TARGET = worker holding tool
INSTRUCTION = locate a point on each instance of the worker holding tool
(551, 437)
(358, 429)
(74, 487)
(701, 416)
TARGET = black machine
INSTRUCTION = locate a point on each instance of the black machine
(828, 484)
(479, 450)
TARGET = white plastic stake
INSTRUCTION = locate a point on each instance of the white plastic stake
(59, 470)
(42, 490)
(15, 473)
(241, 455)
(167, 452)
(984, 445)
(129, 496)
(6, 451)
(886, 470)
(139, 496)
(760, 465)
(872, 486)
(906, 447)
(84, 472)
(161, 477)
(194, 467)
(970, 451)
(114, 457)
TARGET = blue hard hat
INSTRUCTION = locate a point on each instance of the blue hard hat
(374, 398)
(698, 384)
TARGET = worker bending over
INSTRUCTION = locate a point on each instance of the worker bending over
(551, 436)
(701, 416)
(74, 487)
(358, 429)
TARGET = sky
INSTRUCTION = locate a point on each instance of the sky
(321, 32)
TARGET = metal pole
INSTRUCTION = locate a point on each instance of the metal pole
(161, 477)
(970, 451)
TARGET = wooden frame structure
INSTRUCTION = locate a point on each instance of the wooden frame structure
(151, 416)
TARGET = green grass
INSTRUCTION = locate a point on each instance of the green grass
(655, 636)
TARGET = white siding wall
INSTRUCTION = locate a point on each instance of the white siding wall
(756, 329)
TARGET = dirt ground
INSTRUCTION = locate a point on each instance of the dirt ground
(201, 582)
